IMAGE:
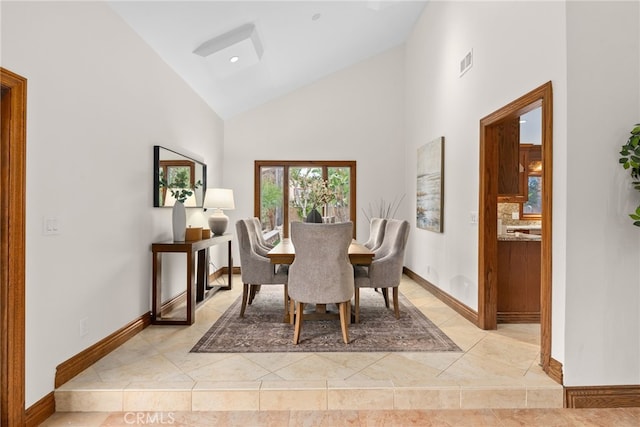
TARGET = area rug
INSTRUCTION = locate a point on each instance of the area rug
(262, 329)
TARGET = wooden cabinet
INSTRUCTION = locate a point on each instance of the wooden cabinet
(519, 281)
(509, 174)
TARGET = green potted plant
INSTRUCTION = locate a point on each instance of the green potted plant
(630, 160)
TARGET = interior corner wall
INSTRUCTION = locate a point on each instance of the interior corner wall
(603, 246)
(98, 100)
(353, 114)
(517, 46)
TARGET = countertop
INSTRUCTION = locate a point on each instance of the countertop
(519, 237)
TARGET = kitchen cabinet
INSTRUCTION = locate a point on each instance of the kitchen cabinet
(519, 280)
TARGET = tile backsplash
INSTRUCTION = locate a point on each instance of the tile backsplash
(504, 213)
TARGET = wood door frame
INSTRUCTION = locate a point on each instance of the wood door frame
(12, 248)
(488, 215)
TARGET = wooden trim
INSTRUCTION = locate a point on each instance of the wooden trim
(12, 248)
(610, 396)
(461, 308)
(555, 371)
(37, 413)
(487, 234)
(523, 317)
(81, 361)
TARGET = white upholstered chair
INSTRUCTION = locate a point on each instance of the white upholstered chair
(321, 272)
(385, 270)
(256, 269)
(376, 233)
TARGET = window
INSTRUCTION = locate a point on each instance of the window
(283, 192)
(531, 208)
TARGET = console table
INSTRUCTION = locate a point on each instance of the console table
(198, 288)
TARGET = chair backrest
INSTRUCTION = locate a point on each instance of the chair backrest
(396, 234)
(254, 267)
(321, 271)
(376, 233)
(260, 236)
(386, 268)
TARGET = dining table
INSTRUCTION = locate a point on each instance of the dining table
(284, 253)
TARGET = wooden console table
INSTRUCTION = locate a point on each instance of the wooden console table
(197, 254)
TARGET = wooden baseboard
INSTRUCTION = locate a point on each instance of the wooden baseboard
(462, 309)
(81, 361)
(520, 317)
(225, 270)
(40, 411)
(554, 370)
(612, 396)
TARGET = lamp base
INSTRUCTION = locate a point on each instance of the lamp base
(218, 223)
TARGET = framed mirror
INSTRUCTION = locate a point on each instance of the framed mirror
(174, 172)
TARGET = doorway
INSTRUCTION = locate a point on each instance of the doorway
(490, 129)
(12, 247)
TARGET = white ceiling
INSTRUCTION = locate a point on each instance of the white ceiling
(298, 49)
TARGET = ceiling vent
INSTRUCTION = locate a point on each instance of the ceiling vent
(232, 51)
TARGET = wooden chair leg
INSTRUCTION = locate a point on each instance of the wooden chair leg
(252, 293)
(245, 294)
(385, 294)
(357, 304)
(344, 323)
(292, 311)
(286, 304)
(298, 327)
(396, 307)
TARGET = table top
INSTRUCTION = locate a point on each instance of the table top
(284, 253)
(190, 245)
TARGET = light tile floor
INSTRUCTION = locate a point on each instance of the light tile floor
(154, 371)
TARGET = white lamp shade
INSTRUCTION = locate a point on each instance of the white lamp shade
(219, 198)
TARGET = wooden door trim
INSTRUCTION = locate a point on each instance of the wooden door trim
(487, 235)
(12, 251)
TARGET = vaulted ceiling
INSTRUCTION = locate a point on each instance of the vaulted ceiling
(280, 45)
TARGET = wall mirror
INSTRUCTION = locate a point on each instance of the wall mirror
(179, 171)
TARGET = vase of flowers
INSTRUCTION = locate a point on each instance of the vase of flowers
(181, 189)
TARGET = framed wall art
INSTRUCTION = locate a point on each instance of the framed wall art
(430, 185)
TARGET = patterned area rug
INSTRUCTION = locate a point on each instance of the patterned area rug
(262, 329)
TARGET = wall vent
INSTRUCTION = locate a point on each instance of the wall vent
(466, 62)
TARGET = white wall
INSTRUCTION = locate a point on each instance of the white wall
(517, 46)
(98, 100)
(603, 247)
(354, 114)
(512, 54)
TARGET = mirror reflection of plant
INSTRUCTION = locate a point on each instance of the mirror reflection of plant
(630, 159)
(180, 185)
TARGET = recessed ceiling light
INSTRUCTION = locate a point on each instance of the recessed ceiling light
(316, 16)
(234, 59)
(522, 121)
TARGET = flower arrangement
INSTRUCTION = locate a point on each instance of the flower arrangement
(180, 187)
(311, 193)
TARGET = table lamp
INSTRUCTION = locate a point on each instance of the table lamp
(218, 199)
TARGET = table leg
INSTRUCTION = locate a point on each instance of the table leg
(156, 300)
(202, 277)
(191, 291)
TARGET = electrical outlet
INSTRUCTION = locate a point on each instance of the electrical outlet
(473, 217)
(515, 215)
(84, 326)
